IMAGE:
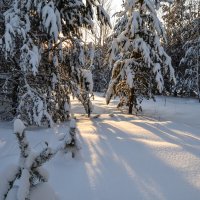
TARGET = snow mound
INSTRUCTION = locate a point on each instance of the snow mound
(42, 191)
(19, 126)
(5, 176)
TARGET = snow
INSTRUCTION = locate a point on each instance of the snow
(40, 192)
(152, 156)
(29, 160)
(72, 123)
(135, 23)
(159, 78)
(23, 191)
(44, 173)
(50, 19)
(87, 75)
(7, 176)
(19, 126)
(130, 77)
(66, 107)
(103, 16)
(54, 80)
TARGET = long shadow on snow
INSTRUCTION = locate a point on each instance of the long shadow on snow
(188, 142)
(141, 170)
(191, 142)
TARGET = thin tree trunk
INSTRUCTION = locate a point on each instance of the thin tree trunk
(15, 95)
(131, 100)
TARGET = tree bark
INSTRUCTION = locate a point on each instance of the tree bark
(131, 100)
(15, 95)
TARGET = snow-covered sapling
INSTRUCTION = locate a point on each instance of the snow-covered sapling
(29, 170)
(70, 141)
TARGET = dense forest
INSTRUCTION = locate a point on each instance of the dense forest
(59, 53)
(46, 56)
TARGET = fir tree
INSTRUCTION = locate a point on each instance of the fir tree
(191, 59)
(101, 70)
(188, 70)
(174, 17)
(43, 41)
(137, 58)
(178, 17)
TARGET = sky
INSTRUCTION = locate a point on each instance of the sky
(116, 4)
(115, 7)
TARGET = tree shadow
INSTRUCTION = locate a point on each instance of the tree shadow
(188, 142)
(131, 169)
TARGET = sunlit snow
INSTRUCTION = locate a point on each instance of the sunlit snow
(152, 156)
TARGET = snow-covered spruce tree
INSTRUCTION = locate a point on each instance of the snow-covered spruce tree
(137, 58)
(174, 17)
(101, 70)
(191, 59)
(43, 41)
(70, 142)
(81, 60)
(29, 172)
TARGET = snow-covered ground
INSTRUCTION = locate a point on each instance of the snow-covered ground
(152, 156)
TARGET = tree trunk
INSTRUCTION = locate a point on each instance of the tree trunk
(15, 95)
(131, 100)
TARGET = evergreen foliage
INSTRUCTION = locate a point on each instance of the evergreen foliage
(182, 35)
(42, 40)
(70, 142)
(29, 170)
(191, 60)
(137, 57)
(174, 17)
(101, 70)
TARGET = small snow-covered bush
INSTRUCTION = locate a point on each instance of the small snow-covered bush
(29, 170)
(32, 177)
(70, 142)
